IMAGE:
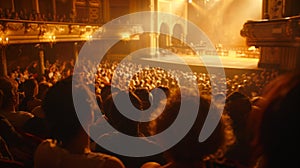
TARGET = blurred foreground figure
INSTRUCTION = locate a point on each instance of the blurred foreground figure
(238, 106)
(70, 146)
(189, 152)
(278, 133)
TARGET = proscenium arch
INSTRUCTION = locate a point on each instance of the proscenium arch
(178, 32)
(163, 41)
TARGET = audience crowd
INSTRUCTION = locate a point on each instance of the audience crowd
(39, 124)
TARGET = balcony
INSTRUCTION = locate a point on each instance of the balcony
(283, 32)
(24, 31)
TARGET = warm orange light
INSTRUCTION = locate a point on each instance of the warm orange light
(4, 41)
(125, 36)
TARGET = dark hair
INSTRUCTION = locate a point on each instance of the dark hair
(279, 131)
(43, 88)
(60, 112)
(189, 149)
(118, 120)
(9, 89)
(29, 87)
(238, 106)
(144, 95)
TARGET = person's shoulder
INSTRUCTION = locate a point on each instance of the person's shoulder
(109, 161)
(25, 114)
(114, 162)
(2, 118)
(151, 165)
(47, 145)
(38, 112)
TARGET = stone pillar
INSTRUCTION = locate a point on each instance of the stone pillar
(13, 6)
(3, 61)
(54, 7)
(106, 11)
(42, 62)
(76, 52)
(73, 5)
(153, 40)
(37, 6)
(74, 12)
(153, 43)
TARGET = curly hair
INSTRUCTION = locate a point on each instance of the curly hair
(189, 149)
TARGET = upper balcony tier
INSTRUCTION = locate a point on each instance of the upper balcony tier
(24, 31)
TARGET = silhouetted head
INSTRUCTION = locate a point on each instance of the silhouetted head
(10, 94)
(60, 110)
(189, 149)
(279, 128)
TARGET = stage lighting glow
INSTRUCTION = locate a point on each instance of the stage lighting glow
(125, 36)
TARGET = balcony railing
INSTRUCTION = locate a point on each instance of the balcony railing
(276, 32)
(24, 31)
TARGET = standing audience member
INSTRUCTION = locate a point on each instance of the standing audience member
(33, 69)
(20, 148)
(43, 88)
(35, 125)
(127, 126)
(10, 103)
(70, 143)
(29, 102)
(238, 107)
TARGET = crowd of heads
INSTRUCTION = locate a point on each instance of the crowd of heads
(254, 104)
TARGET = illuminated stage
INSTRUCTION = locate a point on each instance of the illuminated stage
(210, 61)
(232, 65)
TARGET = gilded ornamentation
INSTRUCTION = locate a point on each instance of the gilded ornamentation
(15, 26)
(289, 28)
(17, 31)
